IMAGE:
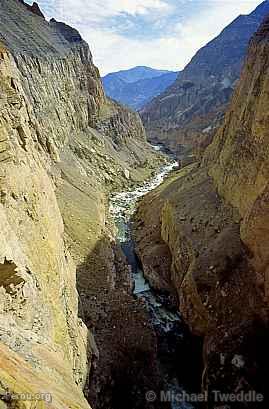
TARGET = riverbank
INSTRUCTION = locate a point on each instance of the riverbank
(122, 346)
(172, 336)
(212, 275)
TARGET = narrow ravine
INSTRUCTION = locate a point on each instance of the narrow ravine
(167, 324)
(122, 207)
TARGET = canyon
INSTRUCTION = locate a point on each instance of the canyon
(64, 148)
(124, 271)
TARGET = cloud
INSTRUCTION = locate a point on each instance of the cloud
(94, 11)
(158, 33)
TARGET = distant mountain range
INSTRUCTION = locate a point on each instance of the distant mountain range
(138, 86)
(189, 111)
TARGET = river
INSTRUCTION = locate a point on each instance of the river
(167, 324)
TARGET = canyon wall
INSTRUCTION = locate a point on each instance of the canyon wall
(63, 147)
(238, 158)
(189, 112)
(208, 237)
(43, 343)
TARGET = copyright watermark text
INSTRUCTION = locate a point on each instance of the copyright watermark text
(215, 396)
(26, 397)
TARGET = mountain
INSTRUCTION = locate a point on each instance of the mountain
(134, 74)
(207, 238)
(137, 86)
(189, 111)
(64, 148)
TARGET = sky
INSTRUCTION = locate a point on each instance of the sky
(162, 34)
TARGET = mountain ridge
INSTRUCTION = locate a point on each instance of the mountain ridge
(190, 110)
(139, 72)
(137, 86)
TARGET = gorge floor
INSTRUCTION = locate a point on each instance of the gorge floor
(176, 348)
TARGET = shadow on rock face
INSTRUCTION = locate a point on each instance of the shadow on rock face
(240, 365)
(125, 366)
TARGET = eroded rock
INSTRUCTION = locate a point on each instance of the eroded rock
(214, 219)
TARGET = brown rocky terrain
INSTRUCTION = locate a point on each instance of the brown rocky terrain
(63, 148)
(188, 113)
(207, 238)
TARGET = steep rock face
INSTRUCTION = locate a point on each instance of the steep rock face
(213, 219)
(39, 322)
(192, 244)
(56, 171)
(190, 110)
(240, 167)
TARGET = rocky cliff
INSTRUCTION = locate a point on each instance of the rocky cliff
(189, 111)
(208, 238)
(238, 157)
(63, 147)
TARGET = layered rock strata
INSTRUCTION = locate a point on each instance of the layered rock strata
(63, 148)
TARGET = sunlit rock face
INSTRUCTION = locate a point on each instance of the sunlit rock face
(63, 148)
(189, 112)
(41, 334)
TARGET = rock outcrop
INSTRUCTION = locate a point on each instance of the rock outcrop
(210, 235)
(63, 147)
(34, 8)
(189, 112)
